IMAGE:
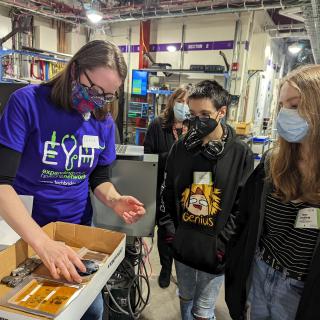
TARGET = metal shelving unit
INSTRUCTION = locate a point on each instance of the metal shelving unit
(177, 71)
(225, 75)
(44, 57)
(165, 92)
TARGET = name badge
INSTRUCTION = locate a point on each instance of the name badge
(90, 142)
(308, 218)
(202, 177)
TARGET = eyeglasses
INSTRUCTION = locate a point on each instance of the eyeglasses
(192, 117)
(96, 92)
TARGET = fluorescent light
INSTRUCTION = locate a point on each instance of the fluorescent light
(295, 48)
(172, 48)
(94, 16)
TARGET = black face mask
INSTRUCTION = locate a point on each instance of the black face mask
(198, 130)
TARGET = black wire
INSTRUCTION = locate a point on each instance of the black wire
(255, 72)
(107, 305)
(145, 302)
(126, 272)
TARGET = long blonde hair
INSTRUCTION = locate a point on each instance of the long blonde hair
(289, 182)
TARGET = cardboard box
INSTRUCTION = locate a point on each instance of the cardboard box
(243, 128)
(76, 236)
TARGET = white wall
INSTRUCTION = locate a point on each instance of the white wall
(75, 40)
(45, 38)
(197, 29)
(5, 28)
(258, 92)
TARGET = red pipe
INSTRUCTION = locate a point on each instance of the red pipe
(144, 42)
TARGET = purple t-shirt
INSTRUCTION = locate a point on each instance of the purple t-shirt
(59, 151)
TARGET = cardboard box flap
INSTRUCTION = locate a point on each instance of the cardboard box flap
(50, 229)
(85, 236)
(12, 256)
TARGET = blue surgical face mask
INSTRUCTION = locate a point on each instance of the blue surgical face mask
(291, 126)
(181, 110)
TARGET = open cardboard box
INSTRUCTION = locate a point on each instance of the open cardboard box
(76, 236)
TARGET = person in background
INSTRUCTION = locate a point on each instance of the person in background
(273, 259)
(203, 174)
(161, 135)
(56, 139)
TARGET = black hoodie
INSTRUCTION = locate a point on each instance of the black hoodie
(196, 211)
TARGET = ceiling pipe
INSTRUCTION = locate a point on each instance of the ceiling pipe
(145, 15)
(39, 11)
(285, 27)
(61, 6)
(155, 14)
(282, 35)
(171, 5)
(292, 13)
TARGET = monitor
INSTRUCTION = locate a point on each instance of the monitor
(139, 82)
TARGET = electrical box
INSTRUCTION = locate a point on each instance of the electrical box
(260, 51)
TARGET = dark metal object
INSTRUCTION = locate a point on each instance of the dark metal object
(11, 281)
(91, 267)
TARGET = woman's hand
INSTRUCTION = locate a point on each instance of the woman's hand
(128, 208)
(60, 259)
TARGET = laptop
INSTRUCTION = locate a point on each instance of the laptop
(129, 150)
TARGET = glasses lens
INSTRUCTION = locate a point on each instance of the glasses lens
(204, 118)
(109, 97)
(191, 117)
(96, 91)
(201, 118)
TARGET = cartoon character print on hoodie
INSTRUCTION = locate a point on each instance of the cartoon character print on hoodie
(201, 204)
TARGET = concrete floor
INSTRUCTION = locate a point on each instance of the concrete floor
(164, 303)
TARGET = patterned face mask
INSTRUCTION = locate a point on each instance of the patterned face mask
(86, 99)
(83, 101)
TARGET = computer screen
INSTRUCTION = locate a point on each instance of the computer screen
(139, 82)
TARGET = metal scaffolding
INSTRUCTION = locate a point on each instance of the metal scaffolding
(311, 14)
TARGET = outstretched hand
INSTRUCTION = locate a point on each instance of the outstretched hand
(128, 208)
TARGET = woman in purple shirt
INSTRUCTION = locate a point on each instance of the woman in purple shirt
(56, 141)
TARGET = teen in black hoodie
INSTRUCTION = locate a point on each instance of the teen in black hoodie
(203, 173)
